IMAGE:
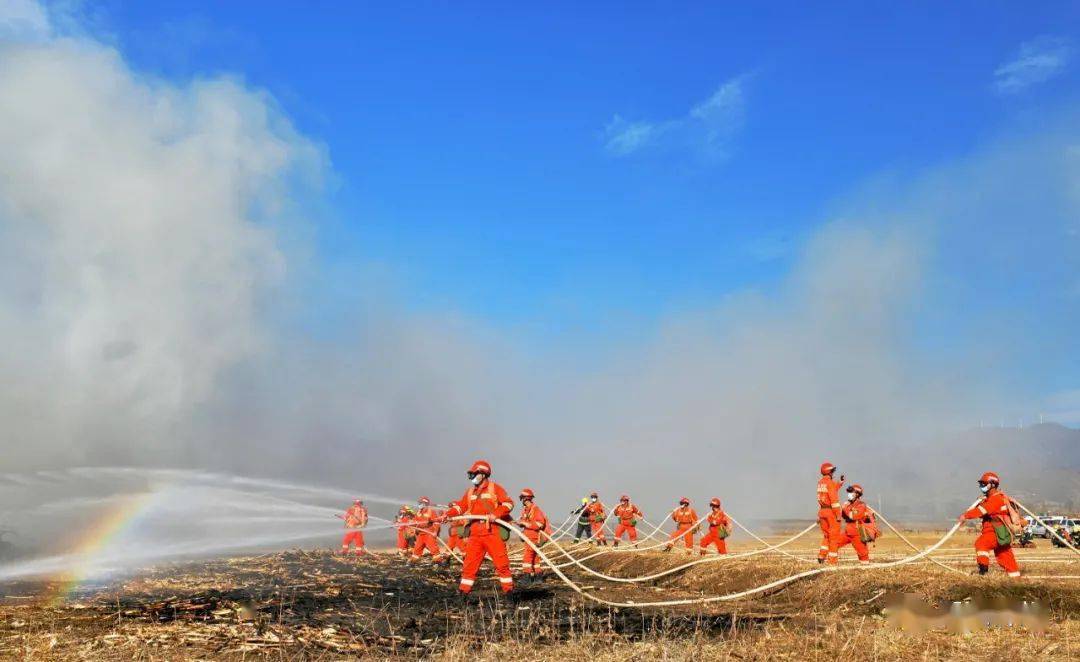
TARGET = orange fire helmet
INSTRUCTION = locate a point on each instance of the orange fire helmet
(990, 477)
(827, 468)
(480, 467)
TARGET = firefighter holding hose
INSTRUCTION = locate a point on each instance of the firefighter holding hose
(685, 519)
(356, 518)
(628, 515)
(487, 500)
(533, 523)
(719, 528)
(597, 517)
(1000, 519)
(584, 525)
(427, 532)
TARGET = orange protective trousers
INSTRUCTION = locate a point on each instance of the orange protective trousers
(353, 537)
(831, 535)
(530, 560)
(425, 540)
(987, 543)
(454, 541)
(598, 531)
(855, 541)
(686, 531)
(629, 529)
(713, 538)
(479, 544)
(402, 543)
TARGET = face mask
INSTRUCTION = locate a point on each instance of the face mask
(477, 479)
(985, 488)
(593, 499)
(851, 496)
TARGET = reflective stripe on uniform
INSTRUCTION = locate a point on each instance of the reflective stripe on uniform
(467, 582)
(982, 553)
(506, 580)
(1014, 574)
(982, 510)
(836, 505)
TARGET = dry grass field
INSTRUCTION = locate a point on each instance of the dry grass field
(311, 605)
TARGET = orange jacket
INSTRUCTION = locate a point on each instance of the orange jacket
(856, 512)
(627, 513)
(718, 518)
(488, 499)
(684, 516)
(356, 517)
(597, 512)
(994, 508)
(427, 520)
(828, 495)
(532, 518)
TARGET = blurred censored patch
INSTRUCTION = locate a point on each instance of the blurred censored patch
(912, 613)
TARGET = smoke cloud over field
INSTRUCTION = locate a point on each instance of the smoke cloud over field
(152, 251)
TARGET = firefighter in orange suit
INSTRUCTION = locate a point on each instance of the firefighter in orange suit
(628, 515)
(356, 518)
(719, 528)
(829, 514)
(860, 527)
(685, 521)
(533, 522)
(484, 538)
(405, 534)
(427, 532)
(597, 517)
(998, 518)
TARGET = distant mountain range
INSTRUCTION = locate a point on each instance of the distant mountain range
(1039, 466)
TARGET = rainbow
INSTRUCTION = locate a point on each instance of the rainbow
(107, 527)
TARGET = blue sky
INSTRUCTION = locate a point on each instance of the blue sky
(584, 173)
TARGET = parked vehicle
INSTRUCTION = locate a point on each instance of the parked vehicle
(1053, 521)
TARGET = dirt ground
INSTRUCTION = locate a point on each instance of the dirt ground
(313, 605)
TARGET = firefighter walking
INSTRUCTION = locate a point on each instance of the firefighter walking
(356, 518)
(484, 538)
(685, 522)
(628, 515)
(719, 528)
(533, 523)
(829, 514)
(597, 517)
(999, 518)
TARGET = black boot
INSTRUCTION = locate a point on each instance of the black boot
(983, 569)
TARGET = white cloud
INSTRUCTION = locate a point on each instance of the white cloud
(707, 127)
(1039, 60)
(624, 137)
(23, 19)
